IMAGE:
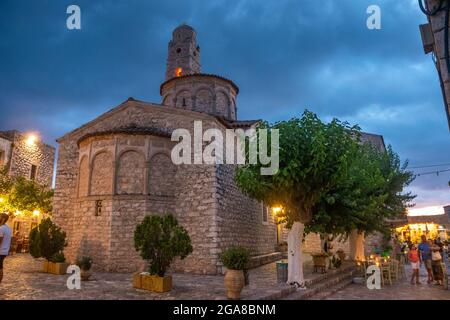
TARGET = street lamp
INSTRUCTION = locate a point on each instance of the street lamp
(31, 140)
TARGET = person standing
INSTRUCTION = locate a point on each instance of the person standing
(5, 241)
(425, 257)
(436, 264)
(413, 257)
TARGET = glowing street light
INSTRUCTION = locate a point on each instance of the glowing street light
(276, 210)
(36, 213)
(31, 140)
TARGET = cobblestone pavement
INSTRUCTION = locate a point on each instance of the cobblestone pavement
(400, 291)
(24, 280)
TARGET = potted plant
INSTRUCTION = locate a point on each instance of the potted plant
(85, 264)
(336, 262)
(48, 241)
(159, 240)
(235, 259)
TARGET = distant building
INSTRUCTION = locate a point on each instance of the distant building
(433, 42)
(432, 226)
(25, 156)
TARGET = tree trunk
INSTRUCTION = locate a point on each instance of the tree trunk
(295, 259)
(357, 245)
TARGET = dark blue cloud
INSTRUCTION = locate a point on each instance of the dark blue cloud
(285, 55)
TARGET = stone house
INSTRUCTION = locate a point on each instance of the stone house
(117, 168)
(25, 156)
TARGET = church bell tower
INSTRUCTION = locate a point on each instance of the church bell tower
(184, 53)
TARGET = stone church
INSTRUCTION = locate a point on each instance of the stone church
(115, 169)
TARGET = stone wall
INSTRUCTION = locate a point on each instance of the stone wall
(25, 155)
(5, 151)
(240, 219)
(183, 52)
(203, 93)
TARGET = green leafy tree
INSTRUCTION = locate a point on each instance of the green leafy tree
(20, 194)
(369, 193)
(48, 241)
(159, 240)
(6, 185)
(28, 195)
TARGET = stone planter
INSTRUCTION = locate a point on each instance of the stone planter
(152, 283)
(58, 268)
(234, 283)
(85, 275)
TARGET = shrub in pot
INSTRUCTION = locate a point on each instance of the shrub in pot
(159, 240)
(48, 241)
(235, 259)
(85, 264)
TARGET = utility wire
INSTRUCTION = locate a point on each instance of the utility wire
(429, 166)
(432, 172)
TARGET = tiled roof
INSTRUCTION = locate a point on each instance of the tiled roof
(235, 124)
(200, 75)
(375, 139)
(131, 129)
(4, 135)
(441, 219)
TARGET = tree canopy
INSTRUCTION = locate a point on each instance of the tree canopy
(20, 194)
(328, 179)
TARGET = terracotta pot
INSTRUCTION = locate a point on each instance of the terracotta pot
(234, 282)
(85, 275)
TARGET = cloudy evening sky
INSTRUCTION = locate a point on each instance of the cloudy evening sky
(284, 55)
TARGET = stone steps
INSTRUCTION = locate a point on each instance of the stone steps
(257, 261)
(325, 285)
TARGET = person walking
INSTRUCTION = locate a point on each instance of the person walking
(425, 256)
(413, 257)
(436, 264)
(5, 241)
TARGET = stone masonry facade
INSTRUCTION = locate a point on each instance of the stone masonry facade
(29, 160)
(130, 175)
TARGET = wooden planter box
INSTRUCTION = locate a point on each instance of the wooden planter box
(152, 283)
(55, 268)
